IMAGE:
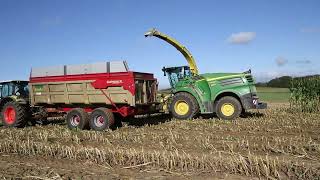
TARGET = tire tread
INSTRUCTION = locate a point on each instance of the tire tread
(193, 105)
(21, 114)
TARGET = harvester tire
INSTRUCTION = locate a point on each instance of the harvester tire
(14, 114)
(101, 119)
(228, 108)
(77, 118)
(184, 106)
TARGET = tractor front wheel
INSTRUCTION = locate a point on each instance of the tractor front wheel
(184, 106)
(228, 108)
(14, 114)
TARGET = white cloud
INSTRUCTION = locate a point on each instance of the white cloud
(241, 37)
(281, 61)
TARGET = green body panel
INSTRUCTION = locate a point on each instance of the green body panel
(216, 88)
(199, 88)
(207, 87)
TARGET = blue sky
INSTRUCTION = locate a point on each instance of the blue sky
(272, 37)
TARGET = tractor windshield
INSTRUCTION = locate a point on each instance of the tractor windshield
(21, 89)
(175, 74)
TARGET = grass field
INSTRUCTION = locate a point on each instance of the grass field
(273, 94)
(268, 94)
(270, 144)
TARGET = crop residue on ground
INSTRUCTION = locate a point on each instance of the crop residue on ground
(272, 144)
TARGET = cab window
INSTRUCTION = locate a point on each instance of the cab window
(21, 89)
(5, 90)
(11, 89)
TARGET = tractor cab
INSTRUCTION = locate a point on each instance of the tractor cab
(14, 97)
(176, 74)
(14, 88)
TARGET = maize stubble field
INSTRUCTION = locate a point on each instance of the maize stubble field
(271, 144)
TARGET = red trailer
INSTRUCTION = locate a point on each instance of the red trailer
(93, 94)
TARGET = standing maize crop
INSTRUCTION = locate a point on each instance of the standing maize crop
(305, 94)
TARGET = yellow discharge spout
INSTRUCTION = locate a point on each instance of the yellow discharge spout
(184, 51)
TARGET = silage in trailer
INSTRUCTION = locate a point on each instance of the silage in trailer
(305, 94)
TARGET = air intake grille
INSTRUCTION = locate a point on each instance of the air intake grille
(231, 81)
(249, 79)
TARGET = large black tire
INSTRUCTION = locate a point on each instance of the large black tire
(101, 119)
(228, 108)
(77, 118)
(184, 106)
(14, 114)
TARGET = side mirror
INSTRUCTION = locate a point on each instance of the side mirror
(164, 71)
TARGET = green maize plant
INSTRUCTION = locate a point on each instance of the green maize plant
(305, 94)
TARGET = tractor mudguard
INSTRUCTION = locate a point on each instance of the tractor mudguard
(194, 94)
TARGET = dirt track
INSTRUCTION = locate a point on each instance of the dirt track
(267, 144)
(17, 166)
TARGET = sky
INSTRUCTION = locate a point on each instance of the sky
(271, 37)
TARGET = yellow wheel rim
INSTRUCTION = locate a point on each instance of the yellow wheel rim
(181, 107)
(227, 109)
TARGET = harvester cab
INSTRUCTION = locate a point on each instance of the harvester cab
(175, 74)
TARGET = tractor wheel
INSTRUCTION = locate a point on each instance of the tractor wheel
(228, 108)
(184, 106)
(14, 114)
(101, 119)
(77, 118)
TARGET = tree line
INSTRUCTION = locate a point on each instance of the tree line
(283, 81)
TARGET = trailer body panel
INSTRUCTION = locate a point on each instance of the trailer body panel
(110, 85)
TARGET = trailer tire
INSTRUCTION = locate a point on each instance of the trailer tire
(14, 114)
(101, 119)
(184, 106)
(228, 108)
(77, 118)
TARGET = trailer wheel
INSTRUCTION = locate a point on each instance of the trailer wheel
(77, 118)
(101, 119)
(184, 106)
(228, 108)
(14, 114)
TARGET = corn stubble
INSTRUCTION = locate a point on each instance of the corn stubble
(277, 145)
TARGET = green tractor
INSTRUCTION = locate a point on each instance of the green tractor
(226, 94)
(14, 103)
